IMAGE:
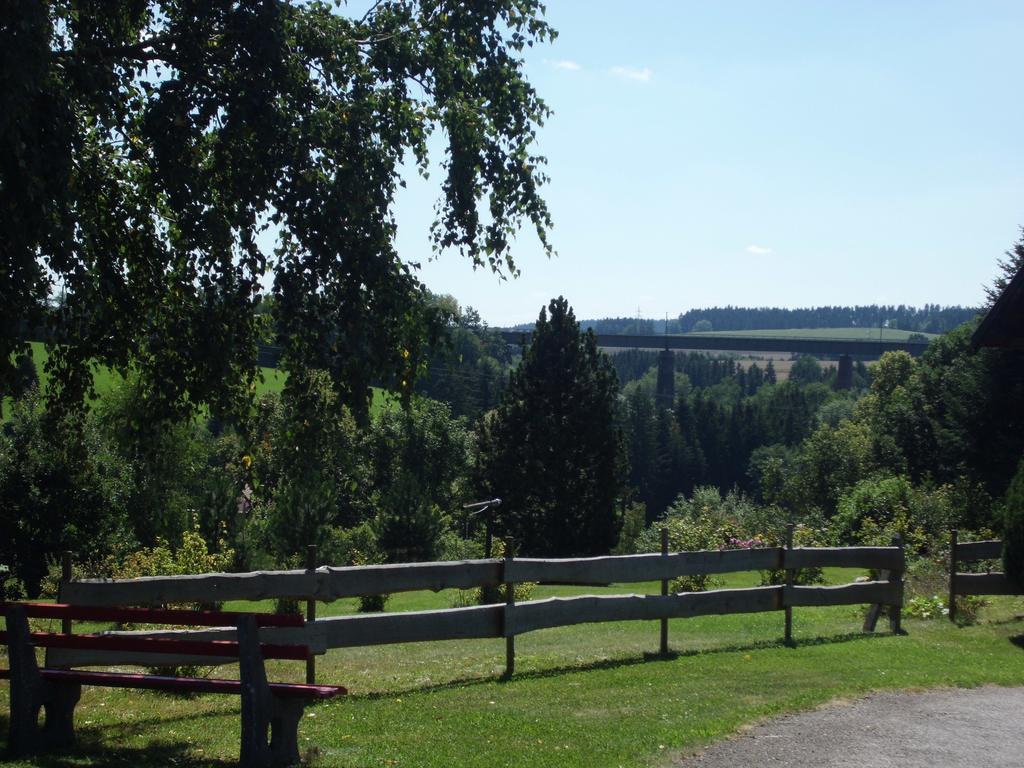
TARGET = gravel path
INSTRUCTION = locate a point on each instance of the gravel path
(947, 728)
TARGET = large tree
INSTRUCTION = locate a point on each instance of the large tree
(150, 151)
(554, 450)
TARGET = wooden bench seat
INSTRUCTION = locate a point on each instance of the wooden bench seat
(181, 684)
(273, 709)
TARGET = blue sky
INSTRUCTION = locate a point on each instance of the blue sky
(763, 153)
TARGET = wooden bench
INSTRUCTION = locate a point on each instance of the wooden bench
(273, 707)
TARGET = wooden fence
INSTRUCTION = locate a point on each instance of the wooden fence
(989, 583)
(508, 620)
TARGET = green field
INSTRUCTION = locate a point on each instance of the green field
(850, 334)
(590, 695)
(104, 380)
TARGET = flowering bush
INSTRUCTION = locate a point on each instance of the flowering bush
(753, 543)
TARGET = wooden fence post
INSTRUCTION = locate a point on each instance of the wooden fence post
(510, 601)
(664, 593)
(311, 614)
(953, 536)
(65, 577)
(896, 577)
(789, 583)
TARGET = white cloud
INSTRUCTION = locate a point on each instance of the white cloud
(571, 66)
(632, 73)
(758, 250)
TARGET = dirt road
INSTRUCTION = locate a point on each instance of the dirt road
(946, 728)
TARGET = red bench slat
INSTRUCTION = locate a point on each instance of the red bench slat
(220, 648)
(182, 684)
(176, 616)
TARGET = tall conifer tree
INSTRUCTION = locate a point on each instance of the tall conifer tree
(554, 451)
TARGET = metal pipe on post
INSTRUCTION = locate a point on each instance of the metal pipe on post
(510, 601)
(789, 582)
(953, 537)
(482, 508)
(65, 577)
(311, 614)
(664, 593)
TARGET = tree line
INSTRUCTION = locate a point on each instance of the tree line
(931, 318)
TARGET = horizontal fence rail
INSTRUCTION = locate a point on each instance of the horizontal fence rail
(501, 620)
(964, 584)
(323, 584)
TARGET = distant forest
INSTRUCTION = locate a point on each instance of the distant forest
(931, 318)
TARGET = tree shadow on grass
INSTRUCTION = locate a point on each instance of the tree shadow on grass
(92, 748)
(616, 663)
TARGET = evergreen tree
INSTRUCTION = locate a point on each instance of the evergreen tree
(1013, 263)
(554, 450)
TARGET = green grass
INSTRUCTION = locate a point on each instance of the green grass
(853, 334)
(590, 695)
(104, 380)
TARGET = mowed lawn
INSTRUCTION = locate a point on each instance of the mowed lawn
(590, 695)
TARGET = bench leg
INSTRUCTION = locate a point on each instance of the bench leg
(23, 734)
(61, 698)
(284, 731)
(30, 693)
(255, 751)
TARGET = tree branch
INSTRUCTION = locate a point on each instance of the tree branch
(151, 49)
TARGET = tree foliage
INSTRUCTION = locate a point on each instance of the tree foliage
(1008, 267)
(553, 451)
(149, 150)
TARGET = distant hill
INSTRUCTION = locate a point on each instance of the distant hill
(929, 319)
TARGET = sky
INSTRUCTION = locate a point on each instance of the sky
(761, 153)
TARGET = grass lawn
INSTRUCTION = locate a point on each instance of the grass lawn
(590, 695)
(270, 380)
(851, 334)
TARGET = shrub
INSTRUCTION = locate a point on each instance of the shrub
(803, 536)
(967, 607)
(490, 595)
(369, 603)
(877, 509)
(1013, 529)
(933, 607)
(10, 587)
(193, 556)
(690, 528)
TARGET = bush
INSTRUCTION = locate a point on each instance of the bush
(370, 603)
(877, 509)
(193, 556)
(933, 607)
(803, 536)
(1013, 530)
(490, 595)
(694, 524)
(10, 587)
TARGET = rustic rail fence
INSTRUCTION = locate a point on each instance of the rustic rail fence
(503, 620)
(963, 584)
